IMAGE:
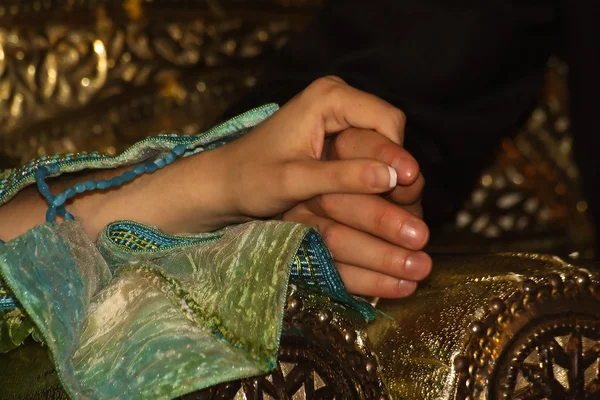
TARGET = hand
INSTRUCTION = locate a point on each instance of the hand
(375, 242)
(279, 164)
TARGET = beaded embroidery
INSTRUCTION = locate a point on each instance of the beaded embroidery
(136, 237)
(11, 181)
(160, 150)
(312, 267)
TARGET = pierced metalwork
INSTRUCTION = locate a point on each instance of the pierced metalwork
(323, 355)
(558, 360)
(540, 343)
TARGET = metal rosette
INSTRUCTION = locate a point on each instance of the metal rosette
(506, 326)
(541, 342)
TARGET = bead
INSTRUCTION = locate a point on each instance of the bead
(44, 189)
(70, 192)
(461, 363)
(582, 279)
(478, 329)
(51, 214)
(497, 306)
(160, 162)
(138, 169)
(170, 157)
(80, 187)
(325, 316)
(117, 181)
(350, 336)
(68, 216)
(103, 184)
(90, 185)
(128, 176)
(555, 280)
(59, 200)
(150, 168)
(40, 173)
(529, 286)
(179, 150)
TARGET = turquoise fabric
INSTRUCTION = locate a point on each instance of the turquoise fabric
(142, 314)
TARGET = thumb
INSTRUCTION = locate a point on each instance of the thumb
(358, 176)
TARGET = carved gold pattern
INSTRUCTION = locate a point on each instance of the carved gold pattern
(87, 78)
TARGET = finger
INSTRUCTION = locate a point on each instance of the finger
(339, 106)
(353, 247)
(409, 194)
(364, 143)
(363, 282)
(308, 178)
(415, 209)
(374, 215)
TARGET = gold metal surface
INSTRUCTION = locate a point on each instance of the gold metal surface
(447, 341)
(103, 74)
(100, 75)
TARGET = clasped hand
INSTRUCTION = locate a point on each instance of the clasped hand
(361, 189)
(284, 167)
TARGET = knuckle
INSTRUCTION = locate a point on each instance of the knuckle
(390, 261)
(329, 233)
(399, 118)
(324, 84)
(382, 283)
(380, 220)
(336, 79)
(343, 142)
(398, 122)
(287, 175)
(385, 151)
(327, 202)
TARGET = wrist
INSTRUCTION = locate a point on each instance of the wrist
(193, 195)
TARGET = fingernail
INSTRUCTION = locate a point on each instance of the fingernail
(406, 288)
(413, 234)
(406, 168)
(417, 266)
(382, 177)
(393, 177)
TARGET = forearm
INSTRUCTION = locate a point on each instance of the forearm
(189, 195)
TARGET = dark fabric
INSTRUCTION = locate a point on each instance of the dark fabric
(465, 72)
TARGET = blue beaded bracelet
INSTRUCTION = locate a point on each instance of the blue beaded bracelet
(57, 202)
